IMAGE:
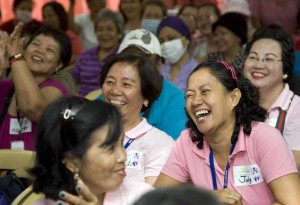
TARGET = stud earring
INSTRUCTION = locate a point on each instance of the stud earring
(285, 76)
(146, 103)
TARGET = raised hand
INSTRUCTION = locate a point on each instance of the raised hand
(85, 196)
(14, 44)
(4, 64)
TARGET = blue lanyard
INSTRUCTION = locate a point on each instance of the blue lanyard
(128, 143)
(213, 171)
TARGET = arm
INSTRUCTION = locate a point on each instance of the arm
(297, 158)
(286, 189)
(4, 64)
(31, 99)
(165, 181)
(72, 25)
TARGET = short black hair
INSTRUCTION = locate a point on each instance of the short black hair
(57, 136)
(59, 36)
(151, 83)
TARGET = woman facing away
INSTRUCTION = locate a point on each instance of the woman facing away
(227, 147)
(80, 150)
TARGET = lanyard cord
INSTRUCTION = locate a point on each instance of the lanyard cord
(20, 119)
(213, 171)
(128, 143)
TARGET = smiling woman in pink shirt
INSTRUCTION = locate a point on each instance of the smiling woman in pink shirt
(269, 66)
(227, 147)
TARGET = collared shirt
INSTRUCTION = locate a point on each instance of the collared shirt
(184, 73)
(256, 160)
(167, 112)
(147, 154)
(291, 132)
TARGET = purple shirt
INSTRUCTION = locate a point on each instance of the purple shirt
(87, 70)
(184, 73)
(27, 137)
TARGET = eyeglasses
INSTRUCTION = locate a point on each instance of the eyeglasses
(267, 60)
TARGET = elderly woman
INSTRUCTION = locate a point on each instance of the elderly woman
(23, 99)
(175, 40)
(87, 68)
(227, 147)
(80, 149)
(230, 32)
(269, 66)
(131, 83)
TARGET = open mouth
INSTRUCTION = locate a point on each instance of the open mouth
(117, 103)
(202, 114)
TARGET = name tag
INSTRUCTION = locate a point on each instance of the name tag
(134, 159)
(247, 175)
(272, 122)
(19, 145)
(14, 126)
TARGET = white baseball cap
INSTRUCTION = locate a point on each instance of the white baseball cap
(143, 39)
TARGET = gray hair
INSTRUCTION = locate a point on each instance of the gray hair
(116, 17)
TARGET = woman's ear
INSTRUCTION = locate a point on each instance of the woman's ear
(235, 97)
(72, 163)
(185, 42)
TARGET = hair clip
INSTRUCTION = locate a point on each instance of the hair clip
(72, 109)
(231, 68)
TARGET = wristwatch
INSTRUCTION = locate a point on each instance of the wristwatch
(16, 56)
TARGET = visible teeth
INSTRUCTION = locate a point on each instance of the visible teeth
(258, 74)
(37, 58)
(201, 112)
(116, 102)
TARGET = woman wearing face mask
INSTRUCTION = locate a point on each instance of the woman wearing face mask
(153, 12)
(23, 12)
(175, 39)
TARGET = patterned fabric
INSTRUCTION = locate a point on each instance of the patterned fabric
(237, 63)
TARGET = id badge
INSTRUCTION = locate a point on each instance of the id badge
(17, 145)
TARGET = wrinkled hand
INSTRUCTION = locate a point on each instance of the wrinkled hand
(229, 197)
(4, 64)
(86, 197)
(14, 43)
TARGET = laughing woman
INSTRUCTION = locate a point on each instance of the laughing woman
(131, 83)
(227, 147)
(23, 99)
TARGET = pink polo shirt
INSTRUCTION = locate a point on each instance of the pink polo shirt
(291, 132)
(149, 151)
(256, 160)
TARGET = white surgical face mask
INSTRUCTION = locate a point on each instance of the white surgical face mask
(172, 50)
(150, 25)
(24, 16)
